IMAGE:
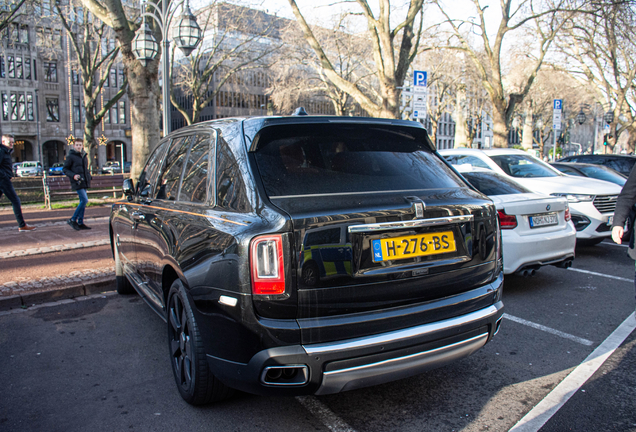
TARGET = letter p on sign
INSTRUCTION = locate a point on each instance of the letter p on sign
(419, 78)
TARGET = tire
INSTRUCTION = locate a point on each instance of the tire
(196, 383)
(122, 284)
(311, 274)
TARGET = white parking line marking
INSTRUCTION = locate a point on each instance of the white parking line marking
(601, 274)
(544, 410)
(549, 330)
(324, 414)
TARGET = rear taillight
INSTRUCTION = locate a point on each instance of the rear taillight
(506, 221)
(568, 216)
(267, 265)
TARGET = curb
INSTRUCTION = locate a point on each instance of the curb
(79, 289)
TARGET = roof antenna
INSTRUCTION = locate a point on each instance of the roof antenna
(300, 111)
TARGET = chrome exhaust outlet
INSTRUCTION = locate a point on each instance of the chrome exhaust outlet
(291, 375)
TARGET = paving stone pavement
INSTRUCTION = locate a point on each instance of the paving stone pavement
(25, 284)
(53, 248)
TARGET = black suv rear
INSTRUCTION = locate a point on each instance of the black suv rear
(308, 255)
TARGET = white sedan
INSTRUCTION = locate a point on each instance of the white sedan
(592, 202)
(536, 229)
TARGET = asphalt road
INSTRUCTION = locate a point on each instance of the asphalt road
(101, 364)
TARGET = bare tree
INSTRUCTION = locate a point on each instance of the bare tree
(393, 50)
(9, 11)
(546, 23)
(86, 36)
(143, 83)
(298, 75)
(600, 50)
(222, 56)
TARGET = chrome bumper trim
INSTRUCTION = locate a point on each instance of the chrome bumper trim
(417, 223)
(396, 368)
(394, 336)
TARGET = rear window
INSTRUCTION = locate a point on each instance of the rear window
(494, 184)
(327, 159)
(519, 165)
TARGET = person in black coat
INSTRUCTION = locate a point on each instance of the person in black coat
(76, 169)
(625, 205)
(6, 187)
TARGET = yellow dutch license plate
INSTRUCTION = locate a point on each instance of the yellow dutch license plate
(413, 246)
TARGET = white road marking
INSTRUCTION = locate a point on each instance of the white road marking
(544, 410)
(324, 414)
(549, 330)
(613, 244)
(600, 274)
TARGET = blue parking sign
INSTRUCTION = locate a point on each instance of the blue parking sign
(419, 78)
(558, 104)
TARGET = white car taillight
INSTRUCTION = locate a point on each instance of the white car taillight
(267, 265)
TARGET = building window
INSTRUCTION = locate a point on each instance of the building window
(24, 34)
(11, 66)
(52, 110)
(18, 67)
(114, 116)
(21, 107)
(35, 69)
(2, 67)
(14, 106)
(121, 77)
(50, 71)
(113, 77)
(27, 68)
(76, 111)
(75, 77)
(5, 107)
(107, 117)
(122, 112)
(29, 107)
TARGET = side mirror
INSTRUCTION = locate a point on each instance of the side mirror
(128, 187)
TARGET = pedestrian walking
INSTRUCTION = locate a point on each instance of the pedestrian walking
(625, 211)
(76, 169)
(6, 187)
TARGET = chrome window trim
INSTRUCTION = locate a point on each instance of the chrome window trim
(418, 223)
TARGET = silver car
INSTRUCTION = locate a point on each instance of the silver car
(29, 168)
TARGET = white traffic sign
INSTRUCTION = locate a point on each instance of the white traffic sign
(419, 104)
(557, 111)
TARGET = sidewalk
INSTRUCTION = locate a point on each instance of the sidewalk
(54, 262)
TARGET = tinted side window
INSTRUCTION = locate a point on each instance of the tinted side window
(148, 177)
(568, 170)
(173, 167)
(230, 190)
(194, 187)
(493, 184)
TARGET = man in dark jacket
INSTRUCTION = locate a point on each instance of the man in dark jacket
(6, 187)
(76, 168)
(624, 205)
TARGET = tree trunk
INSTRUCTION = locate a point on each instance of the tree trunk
(526, 141)
(500, 126)
(461, 135)
(90, 146)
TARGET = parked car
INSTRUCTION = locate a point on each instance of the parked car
(621, 163)
(536, 229)
(214, 235)
(111, 167)
(127, 166)
(600, 172)
(56, 169)
(592, 202)
(30, 168)
(15, 168)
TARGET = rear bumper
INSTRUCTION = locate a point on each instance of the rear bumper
(332, 367)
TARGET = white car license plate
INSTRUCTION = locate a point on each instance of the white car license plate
(543, 220)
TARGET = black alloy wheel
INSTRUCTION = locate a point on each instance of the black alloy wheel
(196, 383)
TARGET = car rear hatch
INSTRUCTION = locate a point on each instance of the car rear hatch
(380, 223)
(534, 213)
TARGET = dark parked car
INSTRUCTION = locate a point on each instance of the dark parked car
(213, 238)
(621, 163)
(600, 172)
(56, 169)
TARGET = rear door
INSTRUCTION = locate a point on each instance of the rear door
(412, 230)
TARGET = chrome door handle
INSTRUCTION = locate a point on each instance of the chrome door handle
(138, 216)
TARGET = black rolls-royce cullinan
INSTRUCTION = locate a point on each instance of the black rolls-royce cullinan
(307, 255)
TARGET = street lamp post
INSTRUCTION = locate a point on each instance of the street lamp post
(186, 33)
